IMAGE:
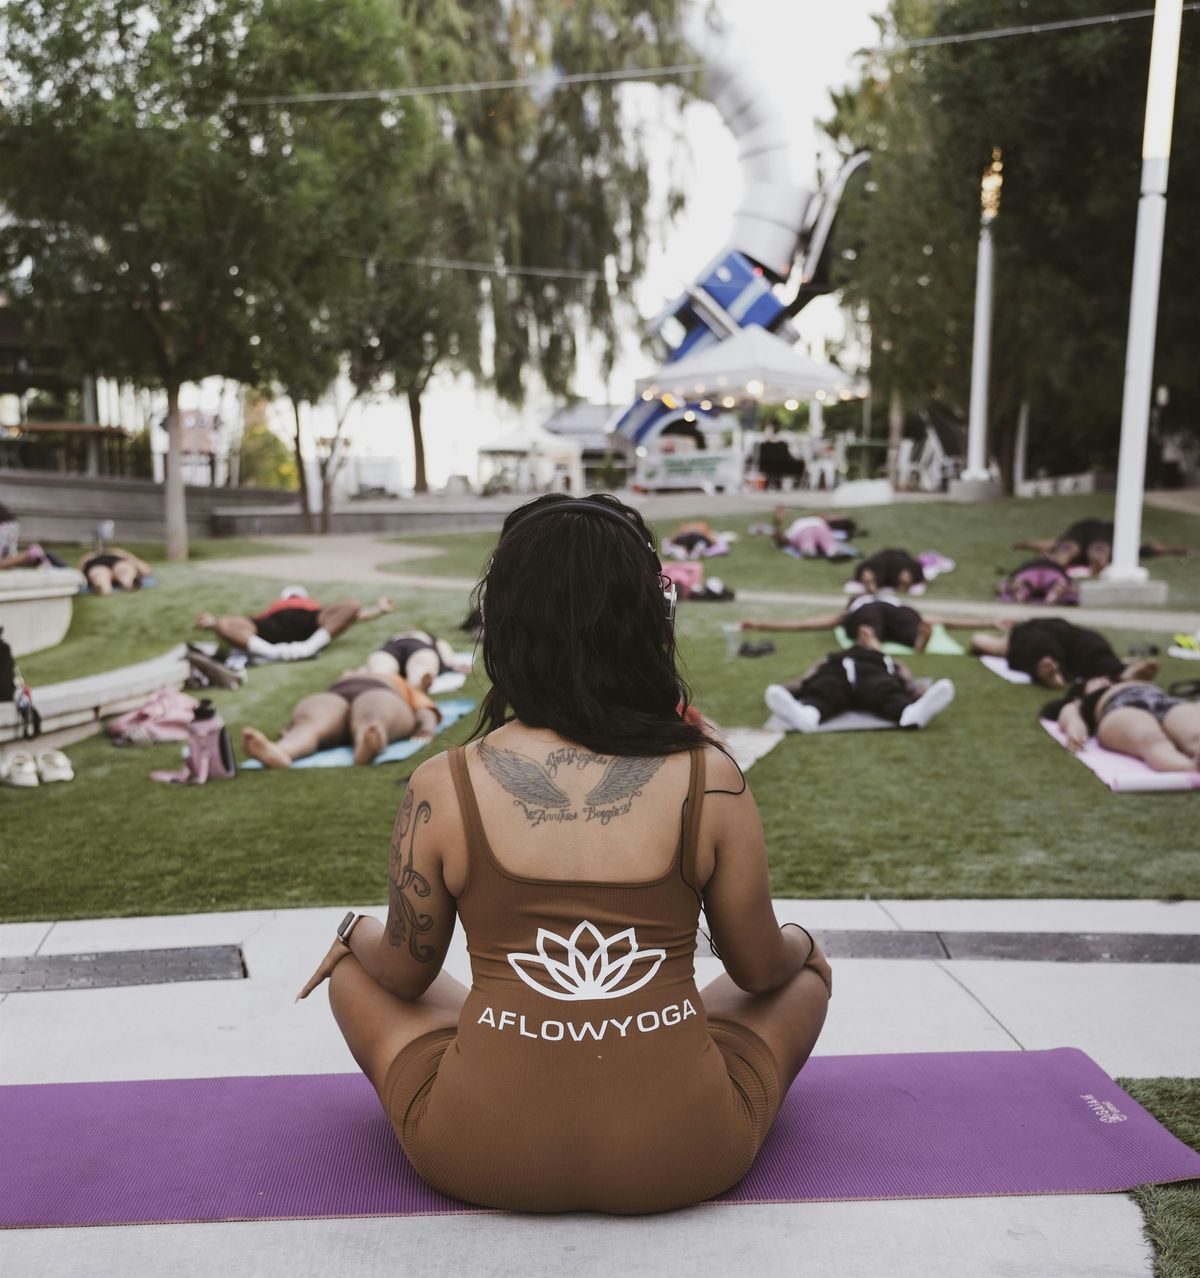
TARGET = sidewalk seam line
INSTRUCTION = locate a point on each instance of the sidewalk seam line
(975, 997)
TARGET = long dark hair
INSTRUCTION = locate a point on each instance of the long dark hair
(576, 636)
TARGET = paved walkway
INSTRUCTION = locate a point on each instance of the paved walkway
(1114, 1012)
(357, 558)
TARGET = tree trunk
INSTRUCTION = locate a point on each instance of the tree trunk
(420, 484)
(327, 477)
(895, 436)
(175, 496)
(301, 472)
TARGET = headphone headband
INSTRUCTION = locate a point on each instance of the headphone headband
(577, 504)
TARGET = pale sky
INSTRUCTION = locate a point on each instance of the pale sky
(802, 49)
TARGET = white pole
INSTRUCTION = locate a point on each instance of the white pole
(1143, 302)
(980, 358)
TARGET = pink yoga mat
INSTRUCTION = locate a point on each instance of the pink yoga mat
(1122, 773)
(942, 1125)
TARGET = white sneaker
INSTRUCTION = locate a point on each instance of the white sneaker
(19, 769)
(53, 765)
(798, 716)
(930, 703)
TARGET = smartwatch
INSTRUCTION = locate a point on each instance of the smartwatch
(346, 926)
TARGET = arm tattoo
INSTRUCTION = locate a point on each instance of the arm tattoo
(405, 924)
(535, 791)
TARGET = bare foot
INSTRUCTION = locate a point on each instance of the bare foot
(924, 630)
(386, 604)
(205, 621)
(1049, 675)
(1140, 671)
(867, 578)
(257, 746)
(371, 740)
(905, 580)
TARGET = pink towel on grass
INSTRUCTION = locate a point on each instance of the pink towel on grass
(1122, 773)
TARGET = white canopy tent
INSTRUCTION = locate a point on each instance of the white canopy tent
(752, 366)
(536, 460)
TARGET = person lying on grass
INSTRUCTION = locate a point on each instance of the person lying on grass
(813, 536)
(1054, 652)
(874, 620)
(365, 710)
(1130, 716)
(1088, 544)
(577, 841)
(113, 569)
(293, 627)
(861, 678)
(890, 569)
(418, 657)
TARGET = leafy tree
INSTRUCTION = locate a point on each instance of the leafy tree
(155, 214)
(265, 461)
(526, 180)
(1066, 111)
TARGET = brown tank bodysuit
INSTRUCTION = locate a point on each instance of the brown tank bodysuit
(584, 1073)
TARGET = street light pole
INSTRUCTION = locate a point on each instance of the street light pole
(1143, 302)
(981, 348)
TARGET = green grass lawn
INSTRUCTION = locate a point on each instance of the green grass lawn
(981, 804)
(977, 537)
(1172, 1212)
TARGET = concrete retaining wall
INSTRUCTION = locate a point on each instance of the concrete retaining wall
(442, 517)
(67, 507)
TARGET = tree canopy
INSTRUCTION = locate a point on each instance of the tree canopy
(180, 207)
(1065, 109)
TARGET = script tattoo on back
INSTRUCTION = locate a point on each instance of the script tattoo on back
(535, 790)
(405, 923)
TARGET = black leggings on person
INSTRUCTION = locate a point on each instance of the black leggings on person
(857, 679)
(1080, 653)
(892, 623)
(888, 566)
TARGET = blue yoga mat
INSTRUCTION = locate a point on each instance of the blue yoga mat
(343, 756)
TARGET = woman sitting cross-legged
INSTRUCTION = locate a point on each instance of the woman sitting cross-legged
(1131, 717)
(368, 711)
(577, 840)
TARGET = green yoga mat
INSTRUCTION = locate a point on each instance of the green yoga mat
(940, 644)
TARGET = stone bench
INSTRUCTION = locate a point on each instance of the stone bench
(35, 606)
(76, 708)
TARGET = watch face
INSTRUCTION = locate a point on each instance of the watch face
(345, 925)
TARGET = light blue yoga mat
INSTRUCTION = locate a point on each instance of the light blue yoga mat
(940, 644)
(343, 756)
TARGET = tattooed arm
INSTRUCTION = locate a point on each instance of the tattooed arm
(406, 953)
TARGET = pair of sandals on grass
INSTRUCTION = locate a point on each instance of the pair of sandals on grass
(24, 770)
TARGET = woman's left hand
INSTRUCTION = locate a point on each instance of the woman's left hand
(337, 951)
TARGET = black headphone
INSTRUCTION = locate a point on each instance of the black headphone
(578, 505)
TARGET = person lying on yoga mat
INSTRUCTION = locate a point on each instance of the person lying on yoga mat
(693, 540)
(113, 569)
(293, 627)
(861, 678)
(890, 569)
(418, 656)
(875, 619)
(813, 536)
(1054, 653)
(1133, 717)
(365, 710)
(577, 841)
(1088, 544)
(1042, 580)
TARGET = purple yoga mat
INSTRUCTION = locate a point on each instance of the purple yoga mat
(942, 1125)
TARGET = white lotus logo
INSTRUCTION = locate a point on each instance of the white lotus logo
(576, 975)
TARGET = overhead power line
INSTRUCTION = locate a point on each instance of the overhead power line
(549, 80)
(1028, 28)
(499, 268)
(544, 80)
